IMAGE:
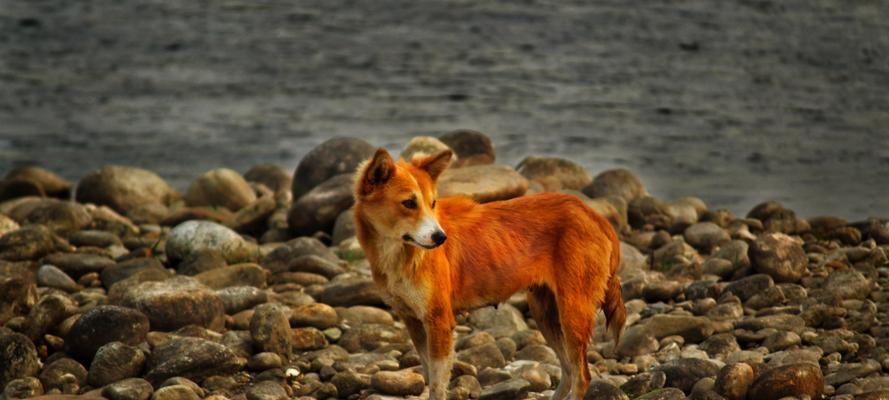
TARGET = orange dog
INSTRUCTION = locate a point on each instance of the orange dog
(431, 258)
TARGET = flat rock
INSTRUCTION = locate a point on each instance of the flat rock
(175, 302)
(27, 243)
(280, 258)
(105, 324)
(114, 362)
(192, 358)
(124, 188)
(482, 183)
(129, 389)
(245, 274)
(398, 383)
(61, 217)
(266, 390)
(706, 235)
(558, 173)
(78, 264)
(797, 380)
(484, 356)
(318, 315)
(52, 276)
(358, 290)
(515, 388)
(220, 187)
(683, 373)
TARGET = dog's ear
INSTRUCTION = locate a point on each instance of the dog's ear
(435, 164)
(378, 170)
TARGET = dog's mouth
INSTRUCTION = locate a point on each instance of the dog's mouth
(410, 240)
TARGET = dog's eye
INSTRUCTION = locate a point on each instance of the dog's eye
(409, 204)
(433, 203)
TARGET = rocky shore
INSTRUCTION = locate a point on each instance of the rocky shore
(254, 287)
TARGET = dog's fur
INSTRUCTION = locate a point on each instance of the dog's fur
(552, 245)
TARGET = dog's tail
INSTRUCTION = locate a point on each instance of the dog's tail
(615, 311)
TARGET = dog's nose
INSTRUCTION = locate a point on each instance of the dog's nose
(439, 237)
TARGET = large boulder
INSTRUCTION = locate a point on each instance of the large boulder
(616, 182)
(336, 156)
(780, 256)
(220, 187)
(318, 209)
(471, 147)
(196, 236)
(175, 303)
(482, 183)
(124, 188)
(554, 173)
(102, 325)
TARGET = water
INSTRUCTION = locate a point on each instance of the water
(735, 102)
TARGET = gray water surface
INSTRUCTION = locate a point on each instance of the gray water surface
(735, 101)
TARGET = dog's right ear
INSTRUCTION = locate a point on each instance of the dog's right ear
(378, 171)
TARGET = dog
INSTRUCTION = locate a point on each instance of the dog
(433, 257)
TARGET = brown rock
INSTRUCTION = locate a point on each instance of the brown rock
(482, 183)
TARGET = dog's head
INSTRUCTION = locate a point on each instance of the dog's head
(398, 198)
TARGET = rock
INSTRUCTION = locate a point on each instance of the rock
(616, 182)
(504, 320)
(51, 276)
(124, 188)
(643, 383)
(280, 258)
(734, 380)
(246, 274)
(51, 310)
(23, 388)
(348, 383)
(27, 243)
(78, 264)
(720, 346)
(852, 371)
(7, 225)
(141, 266)
(220, 187)
(539, 353)
(195, 236)
(270, 329)
(252, 218)
(464, 387)
(564, 174)
(174, 392)
(18, 293)
(424, 146)
(706, 235)
(781, 340)
(18, 357)
(240, 298)
(333, 157)
(515, 388)
(602, 390)
(663, 394)
(351, 291)
(192, 358)
(398, 383)
(63, 374)
(801, 379)
(200, 261)
(94, 238)
(357, 315)
(781, 322)
(779, 256)
(637, 340)
(265, 360)
(318, 315)
(484, 356)
(632, 262)
(61, 217)
(672, 254)
(50, 183)
(266, 390)
(606, 207)
(749, 286)
(471, 147)
(175, 302)
(776, 218)
(179, 215)
(366, 337)
(113, 362)
(683, 373)
(318, 209)
(105, 324)
(343, 228)
(129, 389)
(316, 265)
(482, 183)
(272, 176)
(848, 283)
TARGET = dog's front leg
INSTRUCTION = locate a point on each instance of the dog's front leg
(439, 326)
(418, 337)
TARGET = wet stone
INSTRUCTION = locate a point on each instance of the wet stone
(113, 362)
(129, 389)
(105, 324)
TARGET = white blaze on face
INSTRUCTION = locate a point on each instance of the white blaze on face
(427, 227)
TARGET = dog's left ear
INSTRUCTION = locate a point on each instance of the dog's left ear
(435, 164)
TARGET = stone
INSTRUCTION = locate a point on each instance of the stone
(239, 298)
(174, 303)
(733, 381)
(515, 388)
(504, 320)
(367, 337)
(18, 357)
(317, 265)
(246, 274)
(49, 182)
(174, 392)
(61, 217)
(52, 276)
(200, 261)
(265, 360)
(747, 287)
(358, 290)
(398, 383)
(464, 387)
(781, 322)
(63, 374)
(343, 227)
(357, 315)
(484, 356)
(566, 174)
(318, 315)
(192, 358)
(27, 243)
(482, 183)
(308, 338)
(779, 256)
(318, 209)
(781, 340)
(643, 383)
(252, 218)
(266, 390)
(848, 283)
(7, 225)
(270, 329)
(94, 238)
(114, 362)
(803, 379)
(616, 182)
(51, 310)
(340, 155)
(424, 146)
(470, 147)
(147, 266)
(195, 236)
(683, 373)
(128, 389)
(105, 324)
(637, 340)
(272, 176)
(706, 235)
(124, 188)
(663, 394)
(720, 345)
(220, 187)
(22, 388)
(602, 390)
(539, 353)
(348, 383)
(78, 264)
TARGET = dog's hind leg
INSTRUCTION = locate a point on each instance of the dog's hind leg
(577, 317)
(542, 305)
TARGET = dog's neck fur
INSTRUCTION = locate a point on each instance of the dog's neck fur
(387, 256)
